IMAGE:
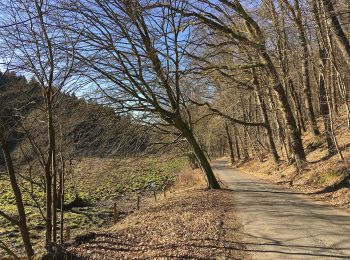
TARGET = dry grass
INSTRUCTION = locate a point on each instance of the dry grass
(189, 179)
(189, 223)
(321, 171)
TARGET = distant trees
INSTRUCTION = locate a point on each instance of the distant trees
(296, 15)
(246, 36)
(245, 51)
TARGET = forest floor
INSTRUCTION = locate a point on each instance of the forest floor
(191, 222)
(324, 178)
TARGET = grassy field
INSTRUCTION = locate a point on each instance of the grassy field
(100, 182)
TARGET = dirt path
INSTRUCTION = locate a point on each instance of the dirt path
(282, 224)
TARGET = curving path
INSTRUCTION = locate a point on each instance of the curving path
(281, 224)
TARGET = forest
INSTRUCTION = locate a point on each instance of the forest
(105, 100)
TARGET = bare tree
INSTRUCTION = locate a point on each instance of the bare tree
(296, 14)
(34, 43)
(218, 16)
(337, 29)
(135, 55)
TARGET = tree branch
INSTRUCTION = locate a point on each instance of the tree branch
(234, 120)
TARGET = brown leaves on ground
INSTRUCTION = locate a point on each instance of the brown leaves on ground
(194, 224)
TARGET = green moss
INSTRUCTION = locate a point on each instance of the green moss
(328, 176)
(137, 174)
(317, 142)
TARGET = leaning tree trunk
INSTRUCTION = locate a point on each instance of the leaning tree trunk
(188, 134)
(337, 30)
(213, 183)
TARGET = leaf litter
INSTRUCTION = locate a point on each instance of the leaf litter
(191, 224)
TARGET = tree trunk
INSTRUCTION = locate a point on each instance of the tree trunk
(230, 144)
(293, 132)
(235, 133)
(333, 132)
(337, 30)
(269, 134)
(307, 95)
(324, 108)
(305, 70)
(22, 221)
(54, 194)
(188, 134)
(281, 135)
(297, 106)
(48, 177)
(245, 145)
(253, 145)
(265, 117)
(62, 180)
(334, 100)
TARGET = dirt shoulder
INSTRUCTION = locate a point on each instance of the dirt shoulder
(193, 224)
(188, 223)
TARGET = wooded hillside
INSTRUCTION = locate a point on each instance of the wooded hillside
(86, 128)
